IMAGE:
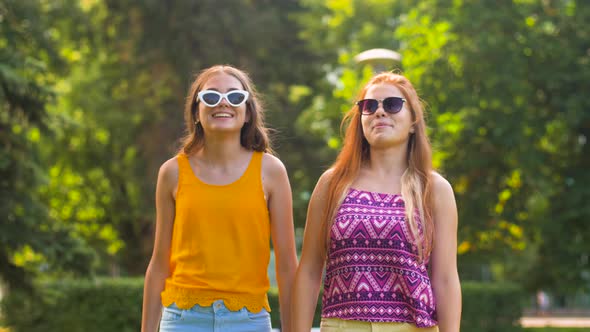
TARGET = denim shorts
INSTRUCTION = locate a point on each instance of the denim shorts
(215, 318)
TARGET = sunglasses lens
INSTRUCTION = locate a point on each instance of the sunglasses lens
(210, 99)
(368, 106)
(393, 104)
(236, 98)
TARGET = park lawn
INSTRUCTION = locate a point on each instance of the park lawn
(537, 329)
(555, 329)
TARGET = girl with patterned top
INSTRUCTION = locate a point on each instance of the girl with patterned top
(218, 204)
(383, 223)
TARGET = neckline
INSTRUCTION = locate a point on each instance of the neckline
(243, 175)
(373, 192)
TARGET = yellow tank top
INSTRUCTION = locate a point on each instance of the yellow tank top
(220, 241)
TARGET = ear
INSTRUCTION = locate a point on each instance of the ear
(412, 129)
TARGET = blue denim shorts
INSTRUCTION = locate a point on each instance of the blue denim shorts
(215, 318)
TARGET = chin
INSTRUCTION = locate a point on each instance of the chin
(379, 140)
(386, 142)
(224, 126)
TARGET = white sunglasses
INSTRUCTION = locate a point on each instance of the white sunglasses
(212, 98)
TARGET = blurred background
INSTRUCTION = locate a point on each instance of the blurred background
(91, 104)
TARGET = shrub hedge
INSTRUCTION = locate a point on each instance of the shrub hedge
(76, 305)
(491, 307)
(115, 305)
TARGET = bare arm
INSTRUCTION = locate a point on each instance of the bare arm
(280, 205)
(158, 269)
(309, 273)
(445, 278)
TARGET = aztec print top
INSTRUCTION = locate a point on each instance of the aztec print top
(372, 271)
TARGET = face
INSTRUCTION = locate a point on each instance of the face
(223, 116)
(382, 129)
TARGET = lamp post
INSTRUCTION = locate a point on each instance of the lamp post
(380, 59)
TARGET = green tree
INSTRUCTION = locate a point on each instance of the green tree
(176, 40)
(99, 89)
(503, 83)
(30, 61)
(336, 31)
(119, 110)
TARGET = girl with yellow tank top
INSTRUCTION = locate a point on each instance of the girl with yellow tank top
(219, 202)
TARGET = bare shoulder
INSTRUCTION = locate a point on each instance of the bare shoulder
(441, 187)
(445, 207)
(326, 177)
(321, 186)
(274, 175)
(168, 174)
(272, 167)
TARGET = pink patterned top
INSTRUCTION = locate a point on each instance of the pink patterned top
(372, 271)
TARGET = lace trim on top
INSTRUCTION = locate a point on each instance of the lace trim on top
(187, 298)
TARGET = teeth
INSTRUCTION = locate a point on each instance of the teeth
(222, 115)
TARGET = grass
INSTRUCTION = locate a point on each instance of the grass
(532, 329)
(555, 329)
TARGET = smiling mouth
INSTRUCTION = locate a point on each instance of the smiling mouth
(222, 115)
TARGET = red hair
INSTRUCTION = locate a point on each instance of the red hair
(416, 180)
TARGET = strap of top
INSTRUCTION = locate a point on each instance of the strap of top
(184, 167)
(253, 172)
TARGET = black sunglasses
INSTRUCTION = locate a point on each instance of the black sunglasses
(391, 105)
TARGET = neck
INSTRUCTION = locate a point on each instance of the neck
(389, 161)
(221, 150)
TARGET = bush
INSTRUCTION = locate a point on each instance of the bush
(487, 307)
(82, 305)
(491, 307)
(115, 305)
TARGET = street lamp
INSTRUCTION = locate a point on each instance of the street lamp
(380, 59)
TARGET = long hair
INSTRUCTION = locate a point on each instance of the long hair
(416, 179)
(253, 135)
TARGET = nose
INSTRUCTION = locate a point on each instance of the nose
(380, 112)
(223, 102)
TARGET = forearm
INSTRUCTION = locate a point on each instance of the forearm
(305, 296)
(448, 304)
(152, 303)
(285, 296)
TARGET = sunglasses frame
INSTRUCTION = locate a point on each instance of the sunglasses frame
(221, 96)
(380, 102)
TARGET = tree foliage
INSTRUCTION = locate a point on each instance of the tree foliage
(117, 73)
(91, 98)
(30, 63)
(504, 84)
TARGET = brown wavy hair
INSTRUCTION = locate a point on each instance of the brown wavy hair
(416, 179)
(254, 134)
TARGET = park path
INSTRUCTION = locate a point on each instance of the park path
(555, 321)
(536, 322)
